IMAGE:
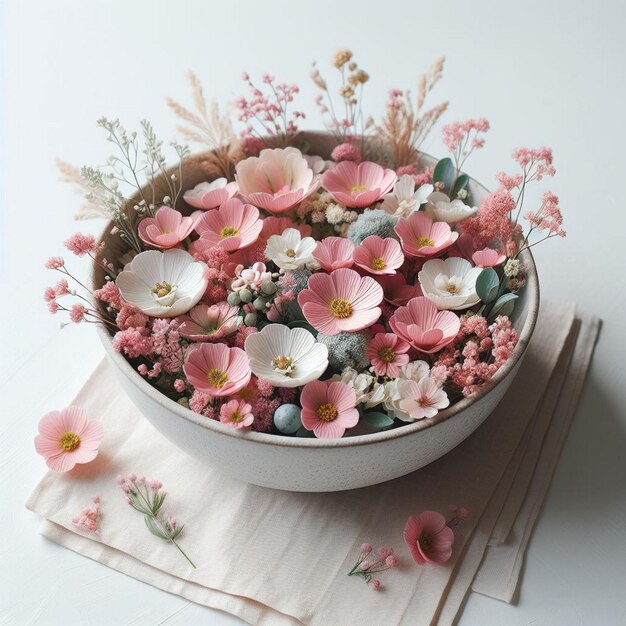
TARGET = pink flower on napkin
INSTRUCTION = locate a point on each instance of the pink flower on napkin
(68, 437)
(429, 538)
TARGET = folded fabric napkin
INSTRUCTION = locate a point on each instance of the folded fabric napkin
(274, 557)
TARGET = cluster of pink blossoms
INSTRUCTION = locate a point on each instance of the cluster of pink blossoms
(89, 518)
(477, 352)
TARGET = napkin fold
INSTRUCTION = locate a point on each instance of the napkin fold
(274, 557)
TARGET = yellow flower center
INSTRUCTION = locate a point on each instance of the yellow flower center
(217, 378)
(378, 263)
(228, 231)
(161, 289)
(327, 412)
(236, 416)
(426, 541)
(340, 308)
(424, 241)
(358, 187)
(387, 354)
(291, 253)
(69, 442)
(452, 288)
(282, 362)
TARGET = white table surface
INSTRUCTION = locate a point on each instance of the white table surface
(542, 72)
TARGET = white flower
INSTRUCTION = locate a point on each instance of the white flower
(393, 395)
(317, 164)
(163, 284)
(252, 277)
(441, 209)
(376, 396)
(512, 268)
(286, 357)
(335, 213)
(290, 251)
(450, 284)
(403, 200)
(360, 382)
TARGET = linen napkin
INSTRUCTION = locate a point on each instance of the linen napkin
(274, 557)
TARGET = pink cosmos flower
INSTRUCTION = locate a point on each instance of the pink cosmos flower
(166, 229)
(429, 538)
(341, 301)
(488, 257)
(333, 253)
(68, 437)
(210, 195)
(236, 413)
(210, 323)
(396, 291)
(233, 226)
(422, 325)
(276, 180)
(378, 255)
(387, 354)
(421, 237)
(217, 370)
(328, 408)
(423, 398)
(358, 185)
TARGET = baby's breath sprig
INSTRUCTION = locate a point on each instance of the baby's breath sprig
(147, 497)
(135, 171)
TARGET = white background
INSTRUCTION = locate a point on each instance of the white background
(542, 72)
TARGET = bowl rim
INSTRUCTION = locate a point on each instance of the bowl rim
(408, 429)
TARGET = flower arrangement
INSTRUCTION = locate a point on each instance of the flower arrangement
(301, 295)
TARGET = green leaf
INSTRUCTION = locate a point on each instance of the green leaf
(444, 173)
(462, 182)
(504, 306)
(303, 324)
(153, 528)
(487, 285)
(375, 419)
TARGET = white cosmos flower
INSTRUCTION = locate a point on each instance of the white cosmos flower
(290, 251)
(450, 284)
(286, 357)
(163, 284)
(440, 209)
(403, 200)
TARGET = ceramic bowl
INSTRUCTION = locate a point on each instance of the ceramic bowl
(317, 465)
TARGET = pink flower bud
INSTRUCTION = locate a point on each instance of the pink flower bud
(375, 584)
(390, 561)
(365, 565)
(366, 548)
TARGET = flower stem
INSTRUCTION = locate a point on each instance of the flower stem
(183, 553)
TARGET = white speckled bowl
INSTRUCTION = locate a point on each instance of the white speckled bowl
(303, 464)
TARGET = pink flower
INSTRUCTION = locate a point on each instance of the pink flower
(421, 237)
(328, 408)
(358, 186)
(68, 437)
(55, 262)
(233, 226)
(428, 538)
(487, 257)
(341, 301)
(276, 180)
(81, 244)
(333, 253)
(166, 229)
(423, 398)
(210, 323)
(396, 291)
(77, 313)
(422, 325)
(378, 255)
(89, 518)
(217, 369)
(210, 195)
(387, 354)
(236, 413)
(346, 152)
